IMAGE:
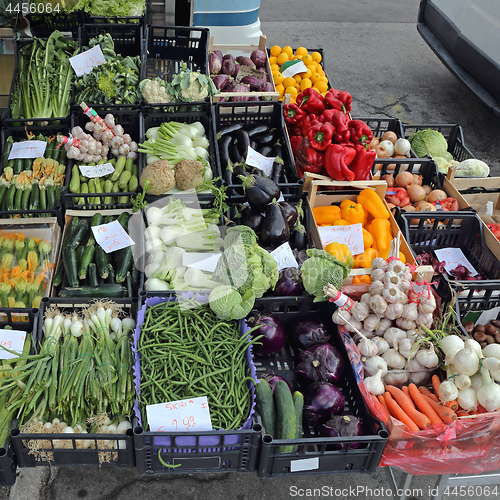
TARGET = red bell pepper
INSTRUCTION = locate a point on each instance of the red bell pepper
(295, 129)
(340, 121)
(308, 159)
(400, 198)
(320, 135)
(361, 133)
(447, 205)
(495, 229)
(311, 101)
(337, 159)
(362, 163)
(293, 114)
(308, 122)
(338, 99)
(295, 142)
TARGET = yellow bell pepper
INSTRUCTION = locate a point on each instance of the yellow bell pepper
(341, 222)
(326, 216)
(365, 259)
(340, 252)
(402, 257)
(380, 229)
(367, 239)
(364, 278)
(352, 212)
(372, 203)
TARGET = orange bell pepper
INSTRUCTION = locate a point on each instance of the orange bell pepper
(402, 257)
(341, 222)
(364, 278)
(372, 203)
(380, 229)
(365, 259)
(326, 216)
(367, 239)
(352, 212)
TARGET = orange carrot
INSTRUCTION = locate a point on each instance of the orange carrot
(423, 390)
(407, 392)
(381, 400)
(399, 414)
(423, 405)
(445, 413)
(436, 383)
(407, 406)
(452, 404)
(462, 413)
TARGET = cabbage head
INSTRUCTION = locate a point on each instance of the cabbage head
(227, 303)
(430, 142)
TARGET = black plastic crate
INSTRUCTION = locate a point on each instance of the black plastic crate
(452, 133)
(144, 19)
(425, 167)
(184, 113)
(43, 23)
(8, 460)
(23, 215)
(465, 231)
(190, 452)
(318, 451)
(476, 301)
(123, 449)
(129, 119)
(258, 113)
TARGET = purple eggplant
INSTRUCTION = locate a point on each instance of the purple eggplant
(254, 82)
(320, 363)
(272, 331)
(343, 426)
(236, 69)
(218, 54)
(260, 191)
(289, 282)
(258, 57)
(221, 81)
(308, 331)
(275, 229)
(265, 77)
(322, 400)
(214, 63)
(298, 237)
(267, 87)
(228, 67)
(246, 61)
(290, 212)
(241, 87)
(228, 57)
(252, 219)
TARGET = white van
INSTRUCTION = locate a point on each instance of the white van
(465, 35)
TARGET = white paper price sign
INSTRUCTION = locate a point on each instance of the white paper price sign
(351, 235)
(255, 159)
(454, 257)
(203, 261)
(293, 68)
(284, 257)
(180, 416)
(112, 236)
(92, 171)
(12, 340)
(27, 149)
(84, 63)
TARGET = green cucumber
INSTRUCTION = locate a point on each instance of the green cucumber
(111, 290)
(286, 422)
(70, 265)
(265, 406)
(298, 403)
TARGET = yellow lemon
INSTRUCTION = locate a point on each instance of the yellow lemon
(278, 77)
(301, 51)
(316, 57)
(283, 58)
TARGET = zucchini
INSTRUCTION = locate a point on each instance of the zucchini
(74, 184)
(93, 281)
(70, 265)
(286, 422)
(134, 272)
(98, 189)
(102, 261)
(18, 166)
(110, 290)
(35, 197)
(122, 200)
(17, 199)
(57, 195)
(129, 286)
(133, 183)
(108, 219)
(84, 189)
(43, 199)
(6, 152)
(129, 163)
(85, 261)
(125, 260)
(25, 200)
(9, 198)
(81, 230)
(123, 181)
(111, 271)
(96, 221)
(123, 220)
(120, 165)
(59, 274)
(265, 406)
(298, 403)
(3, 192)
(51, 197)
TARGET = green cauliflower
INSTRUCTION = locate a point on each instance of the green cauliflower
(320, 270)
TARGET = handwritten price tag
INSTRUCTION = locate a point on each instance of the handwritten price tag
(112, 237)
(255, 159)
(92, 171)
(27, 149)
(13, 340)
(454, 257)
(84, 63)
(180, 416)
(352, 236)
(204, 261)
(284, 257)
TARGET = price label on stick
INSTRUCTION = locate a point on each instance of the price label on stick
(351, 235)
(12, 340)
(27, 149)
(180, 416)
(204, 261)
(92, 171)
(84, 63)
(112, 236)
(284, 257)
(452, 258)
(255, 159)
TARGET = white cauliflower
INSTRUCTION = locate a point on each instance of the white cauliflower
(155, 92)
(188, 86)
(195, 92)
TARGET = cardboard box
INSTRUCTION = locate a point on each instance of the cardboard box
(245, 50)
(335, 198)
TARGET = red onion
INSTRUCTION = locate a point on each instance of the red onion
(321, 401)
(289, 282)
(343, 426)
(309, 331)
(320, 362)
(273, 331)
(273, 379)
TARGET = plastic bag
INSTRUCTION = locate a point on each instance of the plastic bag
(467, 446)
